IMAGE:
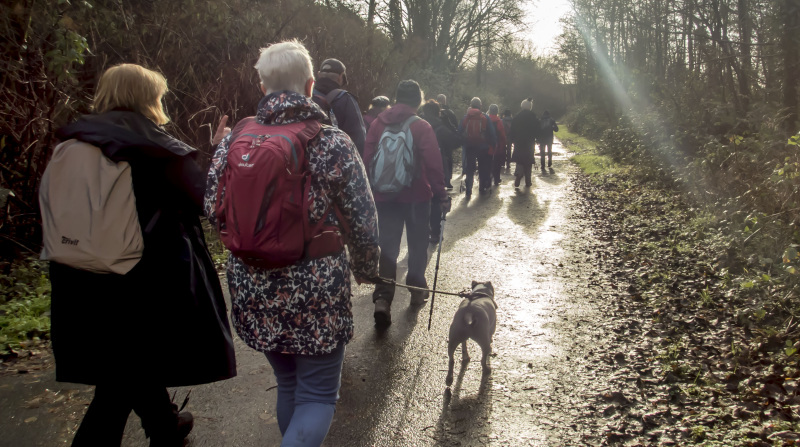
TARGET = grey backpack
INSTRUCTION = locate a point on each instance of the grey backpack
(89, 218)
(392, 166)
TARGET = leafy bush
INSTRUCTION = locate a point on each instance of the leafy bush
(587, 120)
(24, 304)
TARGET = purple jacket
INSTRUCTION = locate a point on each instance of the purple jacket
(429, 181)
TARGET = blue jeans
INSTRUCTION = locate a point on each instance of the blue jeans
(308, 388)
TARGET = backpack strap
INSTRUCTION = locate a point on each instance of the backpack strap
(408, 122)
(239, 127)
(333, 95)
(325, 240)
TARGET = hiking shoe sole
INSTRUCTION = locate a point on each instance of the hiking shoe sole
(383, 316)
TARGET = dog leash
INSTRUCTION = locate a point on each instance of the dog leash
(392, 282)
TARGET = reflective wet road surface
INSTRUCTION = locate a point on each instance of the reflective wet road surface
(531, 243)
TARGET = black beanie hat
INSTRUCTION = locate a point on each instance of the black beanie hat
(409, 93)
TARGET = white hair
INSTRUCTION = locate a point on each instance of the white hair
(493, 109)
(526, 104)
(441, 99)
(285, 66)
(475, 103)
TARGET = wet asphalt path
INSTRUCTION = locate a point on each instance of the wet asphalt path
(534, 249)
(528, 242)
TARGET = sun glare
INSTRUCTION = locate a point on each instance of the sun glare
(543, 23)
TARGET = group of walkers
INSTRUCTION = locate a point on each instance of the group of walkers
(288, 271)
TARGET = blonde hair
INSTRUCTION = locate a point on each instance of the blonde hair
(133, 87)
(285, 66)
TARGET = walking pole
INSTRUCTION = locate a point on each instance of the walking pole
(436, 272)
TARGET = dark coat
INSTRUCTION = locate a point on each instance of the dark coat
(347, 111)
(525, 129)
(448, 139)
(548, 127)
(449, 118)
(164, 322)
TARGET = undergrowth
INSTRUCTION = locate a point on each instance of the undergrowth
(719, 274)
(24, 305)
(585, 154)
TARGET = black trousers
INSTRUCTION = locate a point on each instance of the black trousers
(447, 167)
(392, 218)
(549, 153)
(484, 161)
(524, 169)
(104, 422)
(497, 165)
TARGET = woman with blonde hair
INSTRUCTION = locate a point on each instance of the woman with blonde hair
(164, 322)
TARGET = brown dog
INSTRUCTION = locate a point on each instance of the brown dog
(476, 319)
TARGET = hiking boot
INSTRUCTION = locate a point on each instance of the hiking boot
(419, 297)
(174, 438)
(517, 180)
(383, 316)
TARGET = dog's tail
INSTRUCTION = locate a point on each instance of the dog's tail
(468, 318)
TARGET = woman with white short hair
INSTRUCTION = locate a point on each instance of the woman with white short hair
(300, 315)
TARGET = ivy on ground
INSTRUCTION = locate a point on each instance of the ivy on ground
(712, 330)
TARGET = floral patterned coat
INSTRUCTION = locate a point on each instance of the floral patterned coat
(305, 308)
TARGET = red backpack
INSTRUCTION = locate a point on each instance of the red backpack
(476, 127)
(262, 201)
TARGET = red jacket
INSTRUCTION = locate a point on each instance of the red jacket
(429, 181)
(501, 134)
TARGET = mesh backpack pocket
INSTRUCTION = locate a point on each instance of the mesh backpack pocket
(392, 167)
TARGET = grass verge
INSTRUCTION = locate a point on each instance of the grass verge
(585, 154)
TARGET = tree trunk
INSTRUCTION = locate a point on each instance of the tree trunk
(479, 67)
(396, 22)
(371, 13)
(791, 73)
(690, 33)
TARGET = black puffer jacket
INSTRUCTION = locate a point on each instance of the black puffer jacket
(165, 321)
